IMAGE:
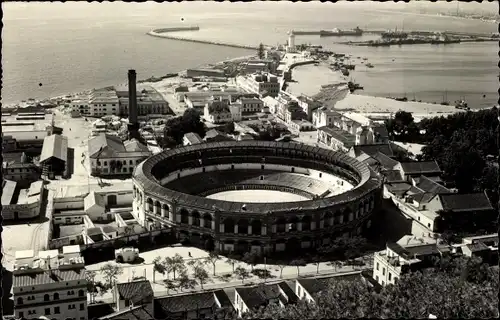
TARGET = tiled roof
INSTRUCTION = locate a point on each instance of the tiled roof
(54, 146)
(398, 187)
(101, 141)
(372, 149)
(429, 185)
(465, 202)
(98, 310)
(258, 295)
(138, 292)
(392, 176)
(346, 138)
(384, 160)
(416, 167)
(135, 146)
(315, 285)
(423, 197)
(184, 303)
(133, 313)
(48, 277)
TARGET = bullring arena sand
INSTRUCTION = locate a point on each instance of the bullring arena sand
(257, 196)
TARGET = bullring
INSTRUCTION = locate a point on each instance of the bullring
(162, 184)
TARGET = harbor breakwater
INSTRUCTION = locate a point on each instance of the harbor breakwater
(167, 34)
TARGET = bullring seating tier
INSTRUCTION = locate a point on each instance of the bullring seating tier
(148, 174)
(203, 183)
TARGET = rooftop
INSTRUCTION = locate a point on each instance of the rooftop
(420, 167)
(372, 149)
(54, 146)
(138, 292)
(431, 186)
(132, 313)
(8, 192)
(47, 277)
(187, 302)
(346, 138)
(315, 285)
(71, 230)
(465, 202)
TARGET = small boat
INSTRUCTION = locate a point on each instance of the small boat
(369, 65)
(461, 104)
(344, 71)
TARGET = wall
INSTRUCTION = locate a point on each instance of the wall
(68, 203)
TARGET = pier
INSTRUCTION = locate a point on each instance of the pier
(167, 34)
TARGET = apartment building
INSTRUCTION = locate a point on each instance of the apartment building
(103, 102)
(336, 138)
(50, 284)
(219, 111)
(109, 155)
(410, 253)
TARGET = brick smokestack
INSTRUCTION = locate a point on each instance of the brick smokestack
(133, 126)
(132, 97)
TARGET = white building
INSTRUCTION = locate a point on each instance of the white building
(50, 285)
(251, 105)
(81, 106)
(323, 116)
(219, 111)
(264, 84)
(108, 155)
(103, 102)
(409, 253)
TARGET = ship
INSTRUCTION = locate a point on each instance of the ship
(394, 35)
(339, 33)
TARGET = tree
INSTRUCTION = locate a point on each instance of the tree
(158, 266)
(185, 282)
(229, 127)
(91, 285)
(281, 266)
(175, 264)
(445, 297)
(242, 274)
(200, 274)
(261, 53)
(298, 263)
(212, 258)
(111, 272)
(251, 258)
(170, 284)
(232, 260)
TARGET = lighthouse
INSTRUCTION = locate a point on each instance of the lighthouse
(291, 42)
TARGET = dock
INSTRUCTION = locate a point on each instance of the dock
(167, 33)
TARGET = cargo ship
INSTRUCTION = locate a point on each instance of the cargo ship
(339, 33)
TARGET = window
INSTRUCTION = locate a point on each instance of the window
(428, 225)
(390, 276)
(383, 271)
(20, 300)
(105, 163)
(82, 306)
(81, 293)
(46, 297)
(21, 314)
(47, 311)
(56, 310)
(378, 265)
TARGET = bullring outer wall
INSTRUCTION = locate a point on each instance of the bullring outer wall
(260, 227)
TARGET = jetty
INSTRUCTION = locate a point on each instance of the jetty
(167, 33)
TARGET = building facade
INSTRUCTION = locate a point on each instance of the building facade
(108, 155)
(50, 286)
